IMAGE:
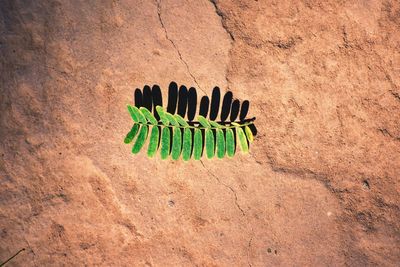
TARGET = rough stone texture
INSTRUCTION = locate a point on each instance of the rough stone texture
(319, 188)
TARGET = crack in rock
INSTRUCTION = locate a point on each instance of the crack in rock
(392, 84)
(285, 44)
(225, 27)
(385, 132)
(396, 95)
(158, 2)
(248, 250)
(31, 251)
(227, 186)
(223, 19)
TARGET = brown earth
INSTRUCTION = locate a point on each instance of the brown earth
(319, 188)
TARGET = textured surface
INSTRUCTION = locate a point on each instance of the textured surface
(320, 186)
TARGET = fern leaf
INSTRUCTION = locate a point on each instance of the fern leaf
(165, 142)
(175, 136)
(140, 139)
(187, 144)
(153, 143)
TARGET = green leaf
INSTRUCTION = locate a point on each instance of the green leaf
(187, 144)
(210, 143)
(165, 142)
(133, 114)
(153, 144)
(198, 144)
(173, 135)
(171, 119)
(215, 124)
(136, 115)
(132, 133)
(181, 120)
(220, 144)
(249, 134)
(150, 118)
(230, 143)
(140, 139)
(162, 115)
(176, 143)
(241, 137)
(203, 121)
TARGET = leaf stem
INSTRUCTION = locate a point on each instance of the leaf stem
(249, 122)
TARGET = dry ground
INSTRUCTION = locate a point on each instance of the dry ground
(319, 188)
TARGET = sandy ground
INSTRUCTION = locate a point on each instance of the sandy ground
(320, 186)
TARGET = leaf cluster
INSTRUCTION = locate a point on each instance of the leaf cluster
(173, 136)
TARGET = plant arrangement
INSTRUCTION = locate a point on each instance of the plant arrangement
(173, 136)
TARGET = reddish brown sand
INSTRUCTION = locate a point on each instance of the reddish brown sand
(320, 186)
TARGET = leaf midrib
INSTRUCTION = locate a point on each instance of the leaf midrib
(198, 127)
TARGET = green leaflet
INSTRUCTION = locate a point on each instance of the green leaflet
(133, 114)
(203, 121)
(220, 144)
(230, 143)
(181, 120)
(187, 144)
(187, 140)
(249, 134)
(136, 115)
(132, 133)
(140, 139)
(165, 144)
(215, 124)
(172, 119)
(247, 130)
(198, 144)
(153, 144)
(162, 115)
(210, 143)
(241, 137)
(176, 143)
(148, 115)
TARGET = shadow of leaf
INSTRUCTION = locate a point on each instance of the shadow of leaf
(184, 102)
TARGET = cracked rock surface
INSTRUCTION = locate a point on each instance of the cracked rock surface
(320, 186)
